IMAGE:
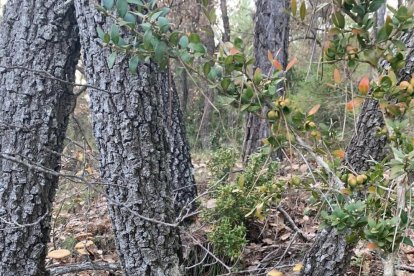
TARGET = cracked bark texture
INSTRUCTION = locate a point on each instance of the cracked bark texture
(330, 254)
(130, 127)
(34, 111)
(271, 33)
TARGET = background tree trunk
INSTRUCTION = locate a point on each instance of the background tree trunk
(271, 34)
(226, 21)
(34, 111)
(130, 126)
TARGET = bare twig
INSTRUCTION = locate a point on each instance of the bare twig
(47, 75)
(292, 224)
(73, 268)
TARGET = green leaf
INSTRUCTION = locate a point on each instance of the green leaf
(121, 7)
(338, 20)
(163, 23)
(174, 38)
(106, 38)
(147, 39)
(183, 41)
(194, 38)
(108, 4)
(100, 32)
(133, 64)
(115, 34)
(302, 10)
(130, 18)
(136, 2)
(375, 5)
(160, 51)
(225, 83)
(111, 60)
(197, 47)
(206, 68)
(407, 241)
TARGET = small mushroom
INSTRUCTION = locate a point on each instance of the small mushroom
(59, 254)
(82, 246)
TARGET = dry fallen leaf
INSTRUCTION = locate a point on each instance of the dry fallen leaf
(274, 272)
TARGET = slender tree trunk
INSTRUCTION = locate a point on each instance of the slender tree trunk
(205, 127)
(185, 94)
(226, 21)
(330, 252)
(34, 111)
(134, 125)
(271, 34)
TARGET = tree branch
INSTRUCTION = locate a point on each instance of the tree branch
(73, 268)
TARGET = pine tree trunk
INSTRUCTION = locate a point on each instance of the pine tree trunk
(271, 34)
(133, 127)
(34, 111)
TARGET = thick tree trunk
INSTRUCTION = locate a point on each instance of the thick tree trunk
(181, 169)
(366, 145)
(132, 126)
(330, 253)
(34, 111)
(271, 34)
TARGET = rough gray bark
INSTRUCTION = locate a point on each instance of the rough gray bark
(130, 128)
(271, 34)
(34, 111)
(181, 169)
(365, 145)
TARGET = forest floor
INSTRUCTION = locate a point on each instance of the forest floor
(80, 213)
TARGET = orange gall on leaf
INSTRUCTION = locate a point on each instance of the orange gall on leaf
(363, 86)
(337, 76)
(277, 65)
(291, 63)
